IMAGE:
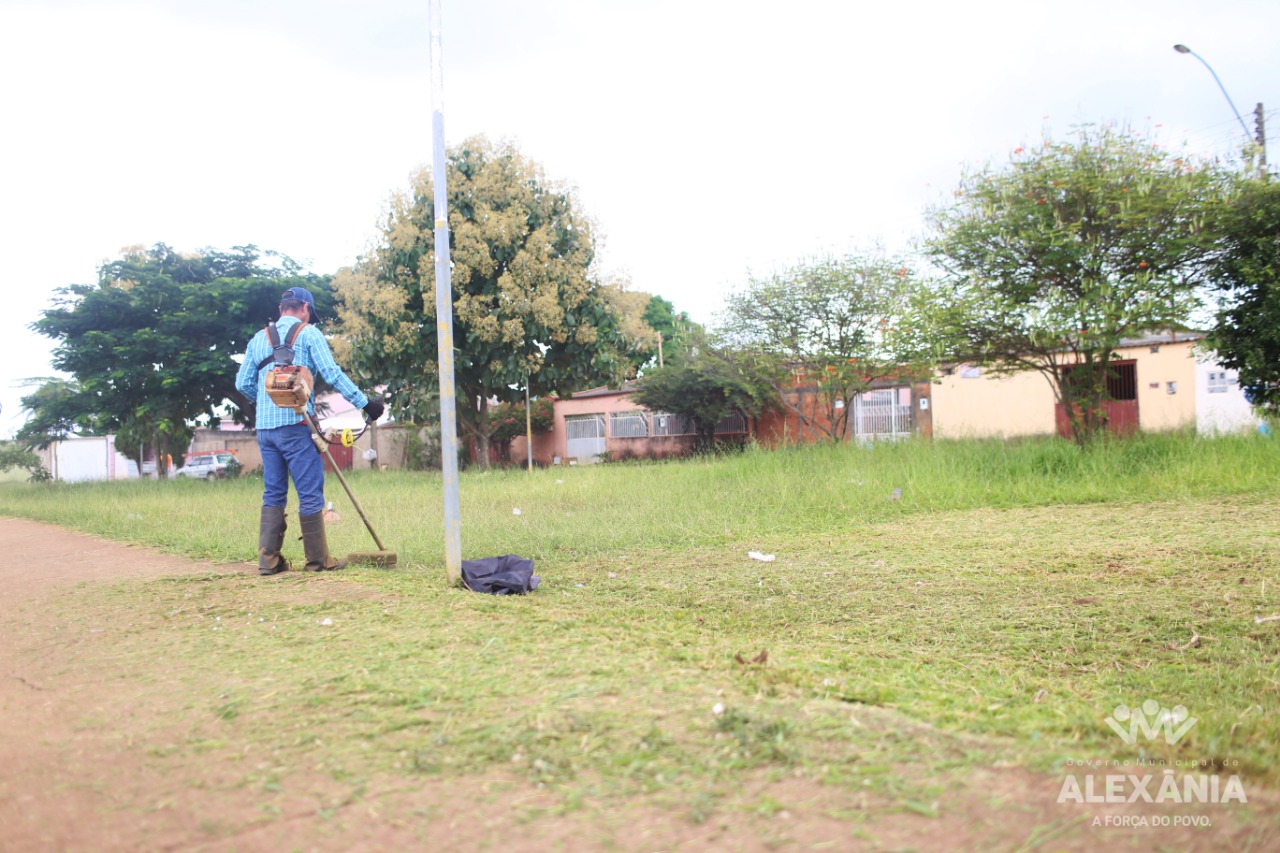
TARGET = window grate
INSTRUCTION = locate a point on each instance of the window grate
(629, 424)
(665, 423)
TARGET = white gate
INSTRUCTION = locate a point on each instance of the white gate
(882, 414)
(584, 437)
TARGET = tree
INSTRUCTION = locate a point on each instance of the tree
(837, 326)
(527, 309)
(1055, 258)
(14, 455)
(705, 386)
(1247, 273)
(674, 329)
(56, 411)
(151, 347)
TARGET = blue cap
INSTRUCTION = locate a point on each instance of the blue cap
(301, 294)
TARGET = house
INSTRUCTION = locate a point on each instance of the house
(1161, 382)
(604, 423)
(889, 410)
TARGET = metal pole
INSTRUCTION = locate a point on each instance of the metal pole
(444, 313)
(528, 423)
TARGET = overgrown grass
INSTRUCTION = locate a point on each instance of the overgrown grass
(997, 611)
(756, 497)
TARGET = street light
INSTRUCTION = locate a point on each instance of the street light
(1182, 48)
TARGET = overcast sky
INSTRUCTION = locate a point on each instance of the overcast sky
(707, 138)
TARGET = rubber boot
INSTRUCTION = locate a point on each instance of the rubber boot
(316, 546)
(271, 540)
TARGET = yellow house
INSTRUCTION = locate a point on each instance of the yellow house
(1157, 388)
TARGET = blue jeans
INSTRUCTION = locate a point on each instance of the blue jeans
(288, 451)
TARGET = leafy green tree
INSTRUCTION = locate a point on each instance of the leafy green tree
(705, 386)
(55, 410)
(675, 330)
(836, 326)
(1247, 273)
(526, 306)
(14, 455)
(152, 346)
(1056, 257)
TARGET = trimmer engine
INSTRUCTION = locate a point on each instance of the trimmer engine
(290, 387)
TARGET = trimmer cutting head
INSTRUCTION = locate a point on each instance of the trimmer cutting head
(386, 559)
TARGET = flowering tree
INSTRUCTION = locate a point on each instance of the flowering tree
(528, 309)
(1067, 249)
(507, 421)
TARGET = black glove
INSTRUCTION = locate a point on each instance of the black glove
(374, 409)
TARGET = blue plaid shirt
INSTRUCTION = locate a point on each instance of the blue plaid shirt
(310, 350)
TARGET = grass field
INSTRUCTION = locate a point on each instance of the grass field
(992, 615)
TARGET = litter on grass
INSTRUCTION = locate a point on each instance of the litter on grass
(764, 558)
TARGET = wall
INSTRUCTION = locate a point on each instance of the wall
(972, 403)
(1223, 412)
(1159, 410)
(544, 448)
(79, 460)
(244, 443)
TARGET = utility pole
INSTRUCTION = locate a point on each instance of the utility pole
(528, 423)
(1259, 121)
(444, 311)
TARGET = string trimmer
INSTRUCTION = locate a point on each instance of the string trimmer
(380, 557)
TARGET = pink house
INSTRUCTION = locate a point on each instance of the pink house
(604, 422)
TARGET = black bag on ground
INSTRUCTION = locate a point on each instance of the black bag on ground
(508, 575)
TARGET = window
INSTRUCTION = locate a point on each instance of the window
(584, 426)
(1218, 382)
(629, 424)
(668, 424)
(732, 423)
(1122, 378)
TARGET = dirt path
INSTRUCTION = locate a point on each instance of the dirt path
(62, 784)
(71, 779)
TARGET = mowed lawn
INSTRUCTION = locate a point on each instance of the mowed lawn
(993, 614)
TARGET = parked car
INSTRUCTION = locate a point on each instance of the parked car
(210, 466)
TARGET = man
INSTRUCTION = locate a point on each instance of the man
(285, 438)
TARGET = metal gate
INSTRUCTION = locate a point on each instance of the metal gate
(584, 436)
(882, 414)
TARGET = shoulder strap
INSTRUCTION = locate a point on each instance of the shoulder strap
(293, 334)
(273, 337)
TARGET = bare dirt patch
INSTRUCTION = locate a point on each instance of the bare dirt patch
(77, 776)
